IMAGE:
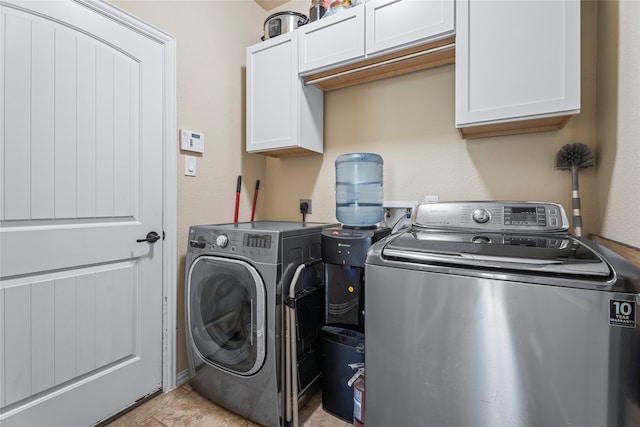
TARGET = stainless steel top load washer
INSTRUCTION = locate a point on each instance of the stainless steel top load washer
(492, 314)
(235, 275)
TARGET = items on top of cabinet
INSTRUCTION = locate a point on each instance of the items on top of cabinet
(338, 6)
(322, 8)
(316, 10)
(282, 22)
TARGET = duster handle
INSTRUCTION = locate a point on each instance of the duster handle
(575, 203)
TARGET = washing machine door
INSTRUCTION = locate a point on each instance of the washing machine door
(226, 312)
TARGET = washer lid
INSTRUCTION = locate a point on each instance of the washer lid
(549, 253)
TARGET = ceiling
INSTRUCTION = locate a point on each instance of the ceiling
(270, 4)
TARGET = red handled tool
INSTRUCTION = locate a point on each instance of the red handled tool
(255, 199)
(239, 186)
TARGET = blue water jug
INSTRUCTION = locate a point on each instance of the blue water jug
(359, 189)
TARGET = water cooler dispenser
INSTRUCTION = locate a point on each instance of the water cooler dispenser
(359, 209)
(344, 251)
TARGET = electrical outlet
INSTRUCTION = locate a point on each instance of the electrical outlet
(308, 202)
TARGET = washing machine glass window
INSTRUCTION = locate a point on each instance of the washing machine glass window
(227, 319)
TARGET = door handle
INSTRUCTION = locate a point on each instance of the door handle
(197, 244)
(152, 237)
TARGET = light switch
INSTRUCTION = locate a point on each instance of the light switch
(191, 141)
(189, 166)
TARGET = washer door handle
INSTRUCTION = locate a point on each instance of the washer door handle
(197, 244)
(251, 322)
(152, 237)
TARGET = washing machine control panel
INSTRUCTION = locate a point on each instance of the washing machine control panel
(262, 247)
(495, 216)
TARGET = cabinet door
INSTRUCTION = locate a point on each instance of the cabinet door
(284, 116)
(516, 60)
(332, 41)
(402, 23)
(272, 93)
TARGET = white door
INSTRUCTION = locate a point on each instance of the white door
(81, 180)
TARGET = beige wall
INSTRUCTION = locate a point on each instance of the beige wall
(211, 40)
(409, 120)
(619, 120)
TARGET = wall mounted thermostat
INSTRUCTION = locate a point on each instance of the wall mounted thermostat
(191, 141)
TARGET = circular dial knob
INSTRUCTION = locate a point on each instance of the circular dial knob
(481, 216)
(222, 240)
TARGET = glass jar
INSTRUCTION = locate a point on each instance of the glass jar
(316, 10)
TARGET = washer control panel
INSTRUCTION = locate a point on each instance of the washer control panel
(494, 216)
(260, 246)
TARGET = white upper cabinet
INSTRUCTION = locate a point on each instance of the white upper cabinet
(284, 117)
(517, 66)
(375, 28)
(516, 61)
(333, 40)
(404, 23)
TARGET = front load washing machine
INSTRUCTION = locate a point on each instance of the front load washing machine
(235, 276)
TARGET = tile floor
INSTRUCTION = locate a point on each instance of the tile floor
(183, 407)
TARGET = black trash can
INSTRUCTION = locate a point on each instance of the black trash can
(340, 347)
